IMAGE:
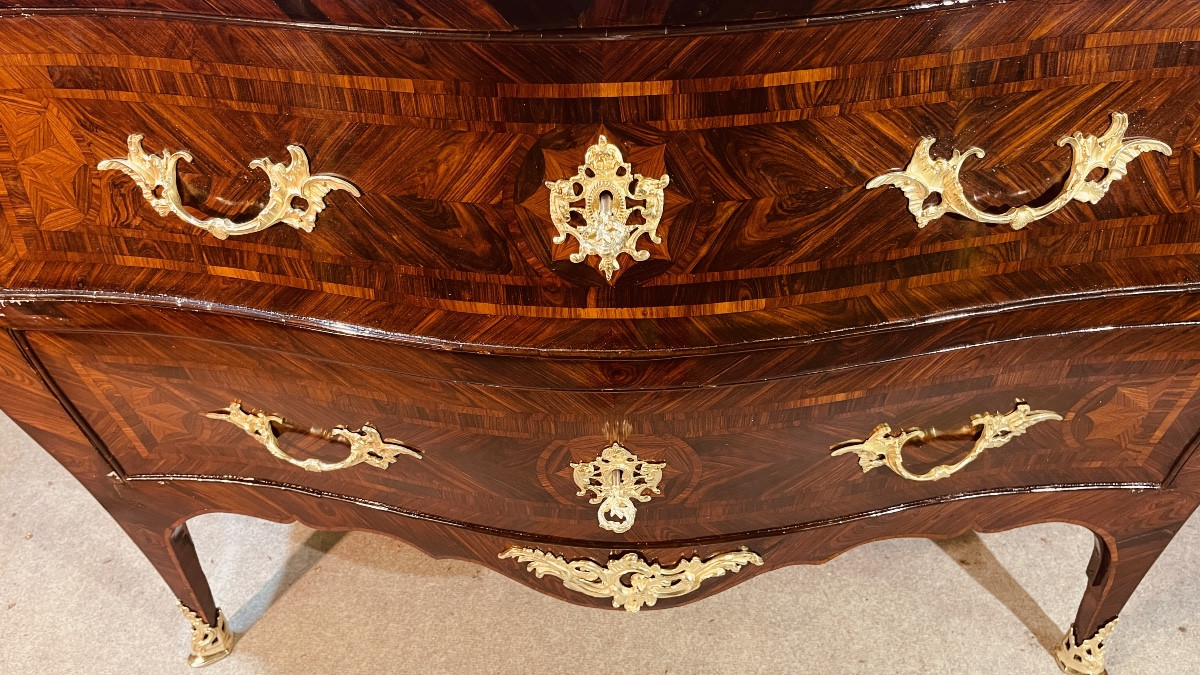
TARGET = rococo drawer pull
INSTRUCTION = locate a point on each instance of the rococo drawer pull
(616, 478)
(366, 445)
(925, 176)
(296, 197)
(604, 184)
(646, 584)
(995, 429)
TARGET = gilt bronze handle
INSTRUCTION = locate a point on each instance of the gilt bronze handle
(366, 444)
(925, 176)
(884, 447)
(291, 182)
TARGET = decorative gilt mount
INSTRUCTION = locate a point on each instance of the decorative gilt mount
(647, 583)
(209, 643)
(1086, 658)
(885, 448)
(366, 444)
(604, 184)
(290, 182)
(616, 478)
(925, 176)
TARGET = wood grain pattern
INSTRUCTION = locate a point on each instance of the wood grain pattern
(788, 308)
(501, 18)
(500, 459)
(1116, 514)
(769, 147)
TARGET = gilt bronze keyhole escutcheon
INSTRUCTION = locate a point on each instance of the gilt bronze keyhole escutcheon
(594, 208)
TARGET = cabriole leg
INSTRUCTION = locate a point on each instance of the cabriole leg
(1117, 566)
(174, 557)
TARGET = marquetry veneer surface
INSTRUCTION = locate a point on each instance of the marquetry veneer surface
(787, 308)
(768, 232)
(500, 458)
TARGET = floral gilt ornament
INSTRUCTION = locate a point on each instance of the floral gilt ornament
(605, 184)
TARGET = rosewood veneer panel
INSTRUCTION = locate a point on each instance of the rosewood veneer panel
(499, 458)
(765, 213)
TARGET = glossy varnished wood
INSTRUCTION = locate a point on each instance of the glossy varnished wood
(768, 232)
(497, 456)
(1122, 518)
(501, 19)
(787, 309)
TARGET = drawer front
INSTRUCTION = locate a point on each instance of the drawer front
(712, 461)
(767, 151)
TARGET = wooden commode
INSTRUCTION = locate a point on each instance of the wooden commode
(629, 304)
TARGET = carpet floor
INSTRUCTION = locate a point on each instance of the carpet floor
(76, 596)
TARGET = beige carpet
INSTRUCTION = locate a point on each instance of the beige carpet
(77, 597)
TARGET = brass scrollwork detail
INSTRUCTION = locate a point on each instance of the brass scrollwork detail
(290, 182)
(646, 584)
(925, 176)
(616, 478)
(885, 448)
(366, 444)
(1087, 657)
(209, 643)
(604, 182)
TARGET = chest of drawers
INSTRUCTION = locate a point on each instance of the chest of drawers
(628, 305)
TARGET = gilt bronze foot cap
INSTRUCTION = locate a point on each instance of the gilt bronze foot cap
(209, 643)
(1086, 658)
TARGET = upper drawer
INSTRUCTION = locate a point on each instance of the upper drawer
(451, 142)
(734, 458)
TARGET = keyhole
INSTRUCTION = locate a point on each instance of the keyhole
(606, 202)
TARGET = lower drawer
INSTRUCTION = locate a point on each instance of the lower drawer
(736, 459)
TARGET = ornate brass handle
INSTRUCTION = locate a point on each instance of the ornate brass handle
(604, 182)
(647, 583)
(616, 478)
(995, 429)
(156, 177)
(924, 176)
(366, 444)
